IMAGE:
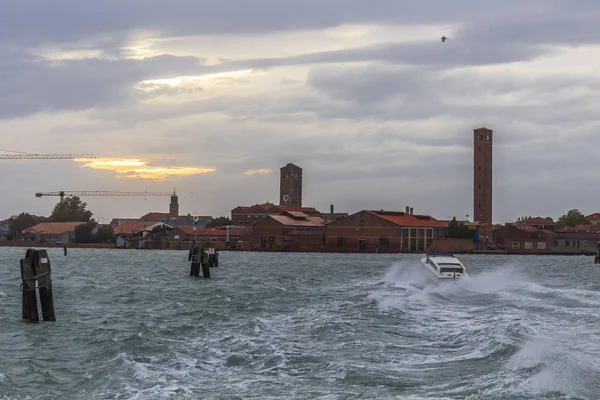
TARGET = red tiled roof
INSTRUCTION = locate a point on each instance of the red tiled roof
(296, 214)
(292, 208)
(52, 228)
(215, 232)
(524, 227)
(136, 226)
(289, 221)
(167, 216)
(414, 221)
(594, 216)
(539, 221)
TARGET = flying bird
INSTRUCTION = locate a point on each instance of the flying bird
(444, 38)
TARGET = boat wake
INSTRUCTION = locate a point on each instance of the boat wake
(519, 335)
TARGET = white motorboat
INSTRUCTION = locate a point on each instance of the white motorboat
(445, 266)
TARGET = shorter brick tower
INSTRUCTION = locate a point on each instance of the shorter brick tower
(483, 178)
(174, 206)
(290, 185)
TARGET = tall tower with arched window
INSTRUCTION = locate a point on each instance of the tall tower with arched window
(483, 178)
(174, 206)
(290, 185)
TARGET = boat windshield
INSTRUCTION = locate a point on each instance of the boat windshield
(452, 269)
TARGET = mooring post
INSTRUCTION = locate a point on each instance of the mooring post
(205, 263)
(215, 259)
(195, 265)
(65, 248)
(29, 301)
(41, 265)
(191, 252)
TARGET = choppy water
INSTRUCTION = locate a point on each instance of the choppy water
(133, 324)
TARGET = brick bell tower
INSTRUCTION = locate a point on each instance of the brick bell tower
(483, 178)
(290, 185)
(174, 206)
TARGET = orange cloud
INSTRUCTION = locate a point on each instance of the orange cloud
(139, 169)
(257, 171)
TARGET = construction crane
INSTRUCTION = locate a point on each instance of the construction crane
(45, 156)
(63, 193)
(18, 155)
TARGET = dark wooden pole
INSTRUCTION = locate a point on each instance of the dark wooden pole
(41, 263)
(29, 303)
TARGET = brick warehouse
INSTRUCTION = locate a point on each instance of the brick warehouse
(290, 231)
(383, 232)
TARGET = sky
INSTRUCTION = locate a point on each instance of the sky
(212, 98)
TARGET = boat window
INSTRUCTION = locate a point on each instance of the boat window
(451, 269)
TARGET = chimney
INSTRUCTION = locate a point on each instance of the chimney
(411, 211)
(331, 209)
(407, 210)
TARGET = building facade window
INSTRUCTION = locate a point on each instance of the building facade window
(340, 242)
(541, 245)
(516, 245)
(272, 241)
(555, 243)
(384, 242)
(263, 241)
(528, 245)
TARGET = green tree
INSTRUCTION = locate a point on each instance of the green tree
(104, 234)
(571, 218)
(220, 221)
(84, 233)
(71, 209)
(459, 232)
(19, 223)
(159, 234)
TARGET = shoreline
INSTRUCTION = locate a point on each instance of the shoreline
(109, 246)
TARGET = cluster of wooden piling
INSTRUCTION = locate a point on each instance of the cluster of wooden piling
(202, 257)
(35, 267)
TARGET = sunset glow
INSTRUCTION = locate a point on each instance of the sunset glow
(139, 169)
(257, 171)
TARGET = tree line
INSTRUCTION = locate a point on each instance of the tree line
(72, 209)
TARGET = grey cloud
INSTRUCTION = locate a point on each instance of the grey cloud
(39, 21)
(405, 94)
(28, 86)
